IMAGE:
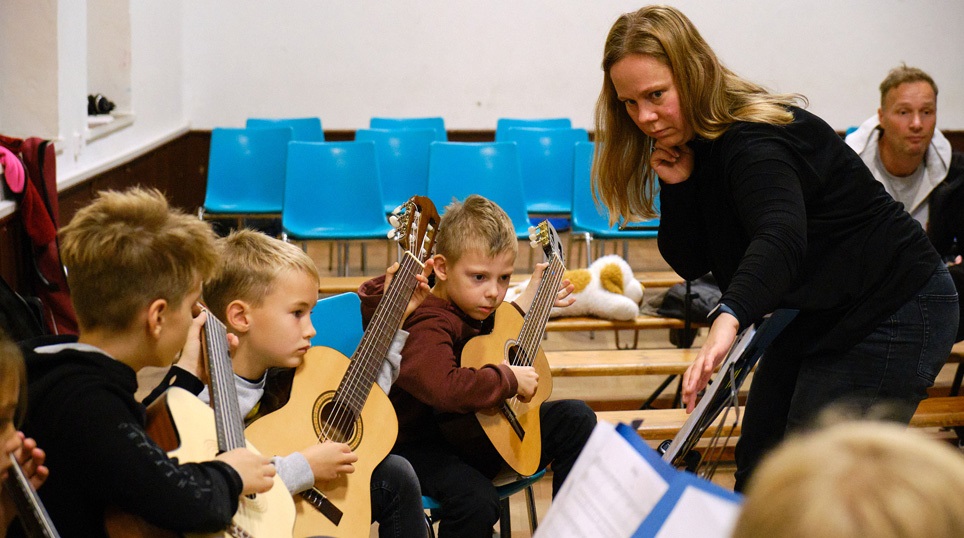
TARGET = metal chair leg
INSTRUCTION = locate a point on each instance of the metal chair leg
(531, 506)
(505, 520)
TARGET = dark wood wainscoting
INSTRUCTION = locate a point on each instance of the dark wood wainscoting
(179, 169)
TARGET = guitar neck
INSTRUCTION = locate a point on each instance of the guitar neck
(534, 326)
(32, 514)
(224, 392)
(357, 383)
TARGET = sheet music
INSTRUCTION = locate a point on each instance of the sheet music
(607, 494)
(700, 513)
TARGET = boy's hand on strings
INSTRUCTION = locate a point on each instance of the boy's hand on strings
(330, 460)
(31, 460)
(527, 380)
(718, 342)
(257, 472)
(422, 290)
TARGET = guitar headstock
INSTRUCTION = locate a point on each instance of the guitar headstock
(416, 225)
(544, 235)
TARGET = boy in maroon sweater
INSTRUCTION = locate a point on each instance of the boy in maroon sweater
(476, 249)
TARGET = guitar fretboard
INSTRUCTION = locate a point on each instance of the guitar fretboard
(357, 383)
(32, 514)
(224, 393)
(534, 326)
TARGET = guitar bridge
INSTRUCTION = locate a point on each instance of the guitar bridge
(320, 502)
(510, 415)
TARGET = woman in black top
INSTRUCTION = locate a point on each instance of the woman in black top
(771, 200)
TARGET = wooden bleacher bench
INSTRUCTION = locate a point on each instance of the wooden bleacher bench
(612, 362)
(331, 285)
(661, 424)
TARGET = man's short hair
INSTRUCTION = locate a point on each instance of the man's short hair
(250, 263)
(903, 75)
(476, 223)
(127, 249)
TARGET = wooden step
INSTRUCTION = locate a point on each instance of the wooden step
(662, 424)
(609, 362)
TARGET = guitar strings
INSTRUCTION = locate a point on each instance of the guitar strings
(355, 387)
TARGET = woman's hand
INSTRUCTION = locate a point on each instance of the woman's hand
(718, 342)
(672, 164)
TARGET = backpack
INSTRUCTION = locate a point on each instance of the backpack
(38, 208)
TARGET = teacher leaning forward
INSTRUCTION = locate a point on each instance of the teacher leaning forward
(770, 199)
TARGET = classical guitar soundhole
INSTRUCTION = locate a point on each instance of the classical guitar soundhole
(335, 421)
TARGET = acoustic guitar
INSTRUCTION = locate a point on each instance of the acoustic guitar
(334, 398)
(513, 427)
(191, 431)
(33, 516)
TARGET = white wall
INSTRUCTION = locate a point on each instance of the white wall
(474, 61)
(156, 93)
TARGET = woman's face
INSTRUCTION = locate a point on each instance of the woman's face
(646, 86)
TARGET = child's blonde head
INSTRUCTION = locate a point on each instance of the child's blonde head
(857, 479)
(250, 263)
(475, 224)
(13, 377)
(127, 249)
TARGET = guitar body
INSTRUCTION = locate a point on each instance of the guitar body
(521, 453)
(268, 514)
(299, 424)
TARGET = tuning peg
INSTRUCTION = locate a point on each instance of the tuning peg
(392, 234)
(397, 210)
(393, 220)
(533, 242)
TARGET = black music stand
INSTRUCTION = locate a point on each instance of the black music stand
(721, 393)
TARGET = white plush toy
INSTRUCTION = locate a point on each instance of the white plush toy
(607, 289)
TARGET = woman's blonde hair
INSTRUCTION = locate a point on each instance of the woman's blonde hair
(711, 99)
(857, 479)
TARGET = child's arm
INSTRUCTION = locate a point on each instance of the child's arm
(524, 301)
(319, 462)
(389, 369)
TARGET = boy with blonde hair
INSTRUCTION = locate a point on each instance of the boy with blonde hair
(135, 268)
(476, 249)
(264, 290)
(857, 479)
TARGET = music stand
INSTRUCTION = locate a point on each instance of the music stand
(722, 389)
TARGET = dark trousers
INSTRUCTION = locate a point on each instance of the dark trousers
(469, 502)
(397, 499)
(885, 375)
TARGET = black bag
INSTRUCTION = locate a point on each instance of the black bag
(704, 296)
(18, 317)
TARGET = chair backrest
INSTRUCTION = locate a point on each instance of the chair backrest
(402, 161)
(436, 122)
(490, 169)
(502, 125)
(586, 215)
(246, 170)
(338, 322)
(303, 129)
(546, 156)
(332, 191)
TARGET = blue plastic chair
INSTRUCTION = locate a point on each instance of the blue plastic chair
(402, 161)
(591, 221)
(303, 129)
(338, 323)
(246, 173)
(332, 192)
(502, 125)
(437, 123)
(546, 156)
(489, 169)
(504, 491)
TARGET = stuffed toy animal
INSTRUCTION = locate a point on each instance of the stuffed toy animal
(607, 289)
